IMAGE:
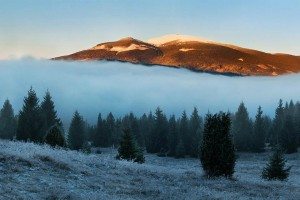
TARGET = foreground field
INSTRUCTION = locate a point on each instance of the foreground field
(29, 171)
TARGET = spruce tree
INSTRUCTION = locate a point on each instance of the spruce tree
(275, 169)
(30, 119)
(288, 136)
(55, 136)
(110, 130)
(8, 123)
(217, 150)
(184, 133)
(173, 136)
(76, 132)
(297, 122)
(128, 149)
(99, 140)
(49, 114)
(258, 139)
(241, 129)
(159, 134)
(180, 151)
(277, 124)
(195, 130)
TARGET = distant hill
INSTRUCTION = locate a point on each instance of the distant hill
(193, 53)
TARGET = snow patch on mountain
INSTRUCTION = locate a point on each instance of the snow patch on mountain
(119, 49)
(187, 49)
(158, 41)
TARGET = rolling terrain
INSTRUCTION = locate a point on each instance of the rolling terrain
(193, 53)
(31, 171)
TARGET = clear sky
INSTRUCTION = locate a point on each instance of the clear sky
(52, 28)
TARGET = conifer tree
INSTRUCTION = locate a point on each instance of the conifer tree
(241, 129)
(180, 151)
(288, 136)
(128, 148)
(275, 169)
(110, 129)
(49, 114)
(258, 139)
(184, 133)
(217, 151)
(195, 129)
(8, 123)
(30, 120)
(55, 137)
(76, 132)
(159, 133)
(99, 139)
(297, 122)
(277, 124)
(173, 136)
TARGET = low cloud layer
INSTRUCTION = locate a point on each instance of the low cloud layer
(93, 87)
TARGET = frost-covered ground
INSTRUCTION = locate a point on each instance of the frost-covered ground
(29, 171)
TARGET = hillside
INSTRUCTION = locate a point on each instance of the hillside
(30, 171)
(193, 53)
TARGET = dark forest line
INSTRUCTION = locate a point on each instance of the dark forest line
(154, 132)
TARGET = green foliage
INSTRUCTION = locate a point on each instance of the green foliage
(8, 123)
(180, 150)
(49, 114)
(288, 137)
(159, 134)
(217, 151)
(241, 129)
(195, 133)
(30, 120)
(76, 136)
(55, 137)
(128, 149)
(173, 136)
(275, 169)
(258, 139)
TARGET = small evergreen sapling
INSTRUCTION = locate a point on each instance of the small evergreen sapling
(55, 137)
(128, 149)
(275, 169)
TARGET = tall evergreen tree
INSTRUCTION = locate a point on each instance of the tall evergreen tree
(288, 136)
(258, 139)
(277, 124)
(8, 123)
(30, 120)
(110, 128)
(159, 133)
(297, 122)
(217, 150)
(195, 129)
(241, 129)
(173, 136)
(99, 137)
(76, 132)
(184, 133)
(49, 114)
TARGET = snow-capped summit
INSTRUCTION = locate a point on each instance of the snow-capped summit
(158, 41)
(198, 54)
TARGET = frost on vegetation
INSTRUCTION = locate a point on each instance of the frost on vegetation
(31, 171)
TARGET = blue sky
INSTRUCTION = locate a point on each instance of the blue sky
(51, 28)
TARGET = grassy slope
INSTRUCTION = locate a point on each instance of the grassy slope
(29, 171)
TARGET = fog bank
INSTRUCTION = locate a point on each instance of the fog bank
(93, 87)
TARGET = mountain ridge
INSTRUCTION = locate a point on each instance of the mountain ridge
(193, 53)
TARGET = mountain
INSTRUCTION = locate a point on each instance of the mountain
(193, 53)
